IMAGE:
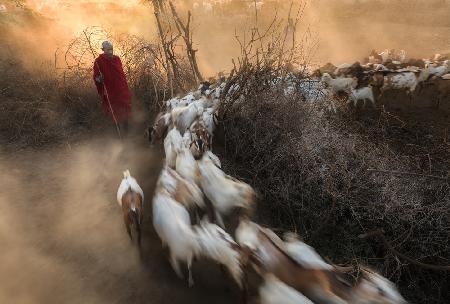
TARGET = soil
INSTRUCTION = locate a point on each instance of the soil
(62, 236)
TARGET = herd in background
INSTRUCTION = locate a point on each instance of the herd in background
(388, 70)
(193, 206)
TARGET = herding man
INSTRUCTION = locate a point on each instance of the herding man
(112, 86)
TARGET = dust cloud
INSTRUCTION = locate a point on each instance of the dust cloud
(62, 234)
(341, 31)
(60, 226)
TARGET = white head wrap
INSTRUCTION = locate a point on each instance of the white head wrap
(107, 45)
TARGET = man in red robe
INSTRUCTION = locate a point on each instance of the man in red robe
(112, 86)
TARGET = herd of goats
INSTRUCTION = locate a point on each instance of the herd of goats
(194, 202)
(388, 70)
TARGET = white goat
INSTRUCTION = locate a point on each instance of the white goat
(339, 84)
(186, 165)
(304, 254)
(224, 192)
(364, 93)
(219, 246)
(407, 81)
(210, 120)
(173, 226)
(181, 190)
(183, 117)
(432, 69)
(175, 103)
(273, 291)
(172, 145)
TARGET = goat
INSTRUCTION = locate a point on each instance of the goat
(433, 70)
(131, 198)
(181, 190)
(273, 291)
(407, 81)
(173, 226)
(172, 145)
(186, 165)
(339, 84)
(176, 102)
(224, 192)
(219, 246)
(210, 120)
(364, 93)
(201, 134)
(183, 117)
(356, 70)
(268, 254)
(304, 254)
(159, 128)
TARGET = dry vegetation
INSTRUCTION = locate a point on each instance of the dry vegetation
(38, 109)
(360, 187)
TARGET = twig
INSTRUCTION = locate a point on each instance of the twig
(380, 233)
(444, 178)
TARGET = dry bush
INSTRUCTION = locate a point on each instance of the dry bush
(37, 110)
(336, 177)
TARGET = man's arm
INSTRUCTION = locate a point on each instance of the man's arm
(98, 78)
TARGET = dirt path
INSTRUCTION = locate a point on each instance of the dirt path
(62, 236)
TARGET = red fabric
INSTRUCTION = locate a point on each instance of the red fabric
(116, 86)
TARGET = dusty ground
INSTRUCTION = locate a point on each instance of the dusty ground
(62, 236)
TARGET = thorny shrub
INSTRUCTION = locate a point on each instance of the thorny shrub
(335, 178)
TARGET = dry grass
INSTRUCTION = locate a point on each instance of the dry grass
(335, 177)
(37, 109)
(313, 172)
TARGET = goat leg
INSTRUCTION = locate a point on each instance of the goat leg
(189, 266)
(176, 267)
(128, 225)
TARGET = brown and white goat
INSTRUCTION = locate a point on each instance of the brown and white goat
(158, 130)
(319, 283)
(173, 225)
(131, 198)
(200, 137)
(225, 192)
(186, 193)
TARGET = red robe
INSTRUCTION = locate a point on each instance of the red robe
(116, 86)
